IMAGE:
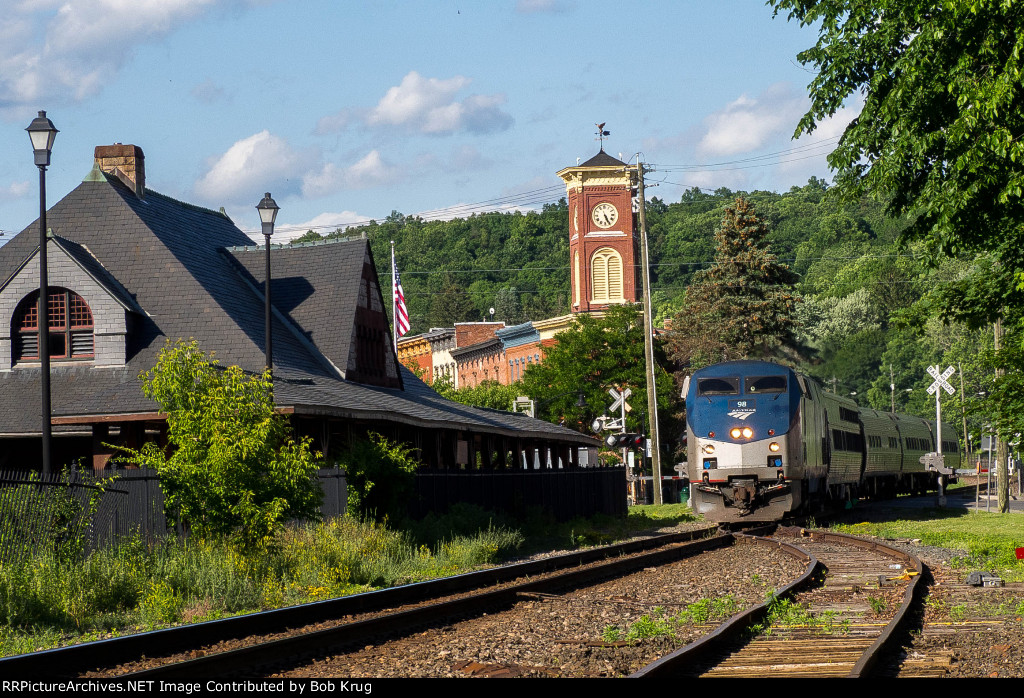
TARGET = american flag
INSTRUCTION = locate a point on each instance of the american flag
(401, 312)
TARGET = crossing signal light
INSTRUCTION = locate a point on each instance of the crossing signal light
(625, 440)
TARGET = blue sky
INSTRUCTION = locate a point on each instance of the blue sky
(348, 110)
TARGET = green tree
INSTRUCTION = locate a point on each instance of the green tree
(452, 304)
(591, 357)
(940, 136)
(490, 394)
(234, 471)
(744, 305)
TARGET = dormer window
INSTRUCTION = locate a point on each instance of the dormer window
(70, 323)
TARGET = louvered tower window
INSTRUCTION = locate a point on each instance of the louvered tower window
(70, 323)
(606, 276)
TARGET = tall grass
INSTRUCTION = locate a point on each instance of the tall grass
(52, 599)
(48, 600)
(983, 541)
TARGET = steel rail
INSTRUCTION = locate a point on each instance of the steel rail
(75, 659)
(245, 659)
(681, 662)
(715, 642)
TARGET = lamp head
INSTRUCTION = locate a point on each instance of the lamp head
(42, 132)
(268, 209)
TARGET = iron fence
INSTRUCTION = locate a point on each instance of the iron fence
(61, 509)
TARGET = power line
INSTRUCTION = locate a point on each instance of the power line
(816, 146)
(545, 195)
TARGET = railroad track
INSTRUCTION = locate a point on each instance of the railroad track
(838, 621)
(204, 638)
(842, 578)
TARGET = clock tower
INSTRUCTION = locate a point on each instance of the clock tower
(602, 235)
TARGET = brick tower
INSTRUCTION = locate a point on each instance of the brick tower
(602, 235)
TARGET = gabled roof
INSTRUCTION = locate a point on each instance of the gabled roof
(84, 259)
(318, 286)
(171, 261)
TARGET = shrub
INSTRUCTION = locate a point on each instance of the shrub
(379, 474)
(235, 472)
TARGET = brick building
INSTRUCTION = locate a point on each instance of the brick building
(604, 271)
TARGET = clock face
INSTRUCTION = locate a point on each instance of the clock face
(605, 215)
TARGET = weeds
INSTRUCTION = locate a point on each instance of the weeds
(878, 605)
(785, 613)
(657, 624)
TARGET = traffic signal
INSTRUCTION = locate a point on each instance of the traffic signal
(625, 440)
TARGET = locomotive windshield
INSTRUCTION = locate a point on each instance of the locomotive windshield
(718, 386)
(766, 384)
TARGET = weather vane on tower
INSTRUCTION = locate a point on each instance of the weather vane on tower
(601, 133)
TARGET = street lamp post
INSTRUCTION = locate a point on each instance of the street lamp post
(42, 134)
(268, 209)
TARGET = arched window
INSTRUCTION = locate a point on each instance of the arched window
(606, 276)
(70, 323)
(576, 278)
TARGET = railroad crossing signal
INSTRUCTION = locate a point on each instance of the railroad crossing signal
(940, 380)
(620, 399)
(523, 404)
(625, 440)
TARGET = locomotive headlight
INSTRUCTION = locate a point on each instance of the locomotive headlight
(735, 433)
(774, 447)
(747, 432)
(708, 448)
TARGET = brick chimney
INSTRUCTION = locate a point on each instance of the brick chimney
(126, 162)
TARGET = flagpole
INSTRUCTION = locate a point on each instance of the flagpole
(394, 302)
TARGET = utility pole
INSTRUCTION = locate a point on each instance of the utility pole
(1003, 480)
(892, 389)
(963, 409)
(652, 395)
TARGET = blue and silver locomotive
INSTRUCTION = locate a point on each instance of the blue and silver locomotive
(764, 441)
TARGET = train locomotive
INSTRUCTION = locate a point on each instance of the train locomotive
(764, 441)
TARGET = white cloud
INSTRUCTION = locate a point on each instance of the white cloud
(14, 190)
(369, 171)
(748, 124)
(262, 162)
(537, 6)
(209, 92)
(323, 224)
(333, 123)
(428, 105)
(52, 51)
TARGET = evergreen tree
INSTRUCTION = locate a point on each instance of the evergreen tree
(451, 305)
(743, 306)
(507, 306)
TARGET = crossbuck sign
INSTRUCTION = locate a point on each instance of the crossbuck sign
(620, 399)
(940, 380)
(933, 389)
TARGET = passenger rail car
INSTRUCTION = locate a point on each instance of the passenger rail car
(764, 441)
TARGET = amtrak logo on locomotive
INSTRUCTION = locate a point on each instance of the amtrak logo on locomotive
(741, 409)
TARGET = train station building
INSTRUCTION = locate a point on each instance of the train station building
(131, 269)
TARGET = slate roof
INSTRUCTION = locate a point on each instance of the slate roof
(179, 267)
(314, 285)
(603, 159)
